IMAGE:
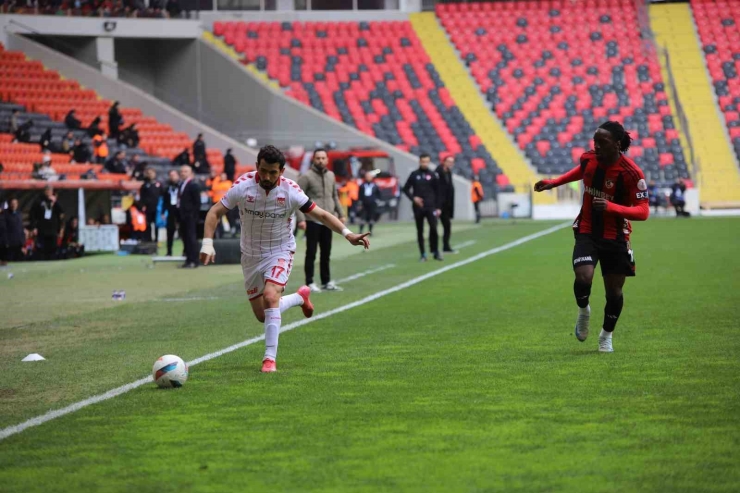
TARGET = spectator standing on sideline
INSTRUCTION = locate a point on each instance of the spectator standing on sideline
(115, 120)
(149, 194)
(71, 121)
(219, 185)
(446, 201)
(369, 197)
(47, 223)
(229, 165)
(188, 206)
(199, 151)
(169, 205)
(320, 185)
(351, 190)
(423, 190)
(16, 233)
(678, 199)
(100, 148)
(476, 196)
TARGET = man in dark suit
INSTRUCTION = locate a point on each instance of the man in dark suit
(169, 204)
(229, 165)
(149, 194)
(447, 201)
(188, 206)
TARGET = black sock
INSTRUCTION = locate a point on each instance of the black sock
(611, 312)
(582, 292)
(370, 227)
(362, 226)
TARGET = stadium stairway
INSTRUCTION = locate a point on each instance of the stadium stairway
(470, 102)
(719, 177)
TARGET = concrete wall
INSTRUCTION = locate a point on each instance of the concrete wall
(94, 26)
(128, 95)
(207, 18)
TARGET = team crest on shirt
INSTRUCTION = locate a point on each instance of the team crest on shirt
(641, 185)
(281, 201)
(250, 199)
(609, 184)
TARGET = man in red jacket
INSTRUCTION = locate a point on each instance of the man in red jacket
(615, 192)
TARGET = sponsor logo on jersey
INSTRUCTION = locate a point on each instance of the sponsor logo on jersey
(641, 185)
(641, 195)
(582, 259)
(598, 193)
(250, 199)
(609, 184)
(262, 214)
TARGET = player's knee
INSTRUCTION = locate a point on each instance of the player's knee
(272, 299)
(584, 277)
(613, 292)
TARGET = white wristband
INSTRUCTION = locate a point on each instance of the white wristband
(346, 232)
(207, 242)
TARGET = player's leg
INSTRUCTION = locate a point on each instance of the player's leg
(616, 265)
(273, 320)
(585, 257)
(312, 243)
(419, 218)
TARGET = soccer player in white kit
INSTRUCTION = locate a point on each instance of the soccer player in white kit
(267, 202)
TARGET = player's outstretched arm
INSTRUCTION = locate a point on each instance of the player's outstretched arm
(207, 252)
(331, 222)
(573, 175)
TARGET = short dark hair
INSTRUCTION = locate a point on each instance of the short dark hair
(618, 133)
(318, 149)
(271, 155)
(423, 155)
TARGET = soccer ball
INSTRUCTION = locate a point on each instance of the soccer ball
(170, 371)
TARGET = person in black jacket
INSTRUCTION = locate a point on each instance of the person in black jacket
(116, 164)
(71, 121)
(23, 133)
(16, 233)
(4, 250)
(369, 195)
(94, 128)
(47, 223)
(81, 152)
(188, 206)
(169, 205)
(182, 159)
(45, 140)
(446, 201)
(422, 189)
(199, 153)
(149, 194)
(229, 165)
(115, 120)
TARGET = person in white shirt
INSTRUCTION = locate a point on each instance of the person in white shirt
(267, 202)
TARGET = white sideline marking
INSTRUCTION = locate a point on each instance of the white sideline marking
(363, 274)
(465, 244)
(12, 430)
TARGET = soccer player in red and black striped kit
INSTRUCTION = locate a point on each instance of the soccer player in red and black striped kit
(615, 192)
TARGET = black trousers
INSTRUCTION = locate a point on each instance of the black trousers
(428, 214)
(476, 206)
(152, 233)
(318, 236)
(47, 247)
(446, 219)
(189, 237)
(171, 228)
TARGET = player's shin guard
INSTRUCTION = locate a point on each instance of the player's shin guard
(273, 321)
(582, 292)
(611, 312)
(289, 301)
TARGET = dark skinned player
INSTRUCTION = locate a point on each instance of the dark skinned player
(615, 193)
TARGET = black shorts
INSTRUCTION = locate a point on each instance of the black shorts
(616, 257)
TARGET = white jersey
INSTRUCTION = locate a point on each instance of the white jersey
(267, 217)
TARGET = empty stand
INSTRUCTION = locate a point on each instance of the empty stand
(374, 76)
(554, 70)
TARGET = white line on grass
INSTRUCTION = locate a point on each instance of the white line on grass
(367, 272)
(465, 244)
(12, 430)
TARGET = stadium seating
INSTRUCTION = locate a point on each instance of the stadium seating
(717, 23)
(44, 97)
(374, 76)
(554, 70)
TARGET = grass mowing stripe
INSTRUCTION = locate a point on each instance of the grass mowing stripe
(15, 429)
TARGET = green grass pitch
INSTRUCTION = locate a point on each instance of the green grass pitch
(471, 380)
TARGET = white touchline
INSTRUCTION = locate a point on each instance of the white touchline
(12, 430)
(465, 244)
(367, 272)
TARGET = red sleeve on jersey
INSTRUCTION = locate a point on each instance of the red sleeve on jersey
(639, 212)
(573, 175)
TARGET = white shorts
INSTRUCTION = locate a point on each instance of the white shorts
(260, 270)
